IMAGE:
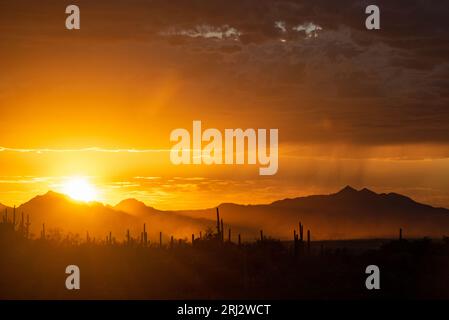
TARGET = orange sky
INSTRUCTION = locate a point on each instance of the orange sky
(351, 107)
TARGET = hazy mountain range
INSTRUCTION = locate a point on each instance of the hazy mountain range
(346, 214)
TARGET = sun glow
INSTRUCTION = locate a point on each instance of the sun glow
(79, 188)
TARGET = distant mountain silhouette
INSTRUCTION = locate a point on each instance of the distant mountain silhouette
(60, 212)
(135, 207)
(349, 213)
(184, 224)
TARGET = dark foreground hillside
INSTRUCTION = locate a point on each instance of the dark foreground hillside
(211, 269)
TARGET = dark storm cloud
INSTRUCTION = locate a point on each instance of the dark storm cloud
(389, 85)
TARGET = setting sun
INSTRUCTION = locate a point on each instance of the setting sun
(79, 188)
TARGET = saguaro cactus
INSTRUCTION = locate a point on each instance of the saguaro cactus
(240, 240)
(27, 227)
(400, 233)
(43, 232)
(145, 235)
(22, 226)
(14, 218)
(218, 223)
(160, 239)
(261, 235)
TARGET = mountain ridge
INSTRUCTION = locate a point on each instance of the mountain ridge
(347, 213)
(345, 190)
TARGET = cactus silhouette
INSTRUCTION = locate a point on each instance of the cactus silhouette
(109, 239)
(145, 235)
(160, 239)
(218, 224)
(14, 217)
(27, 227)
(22, 226)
